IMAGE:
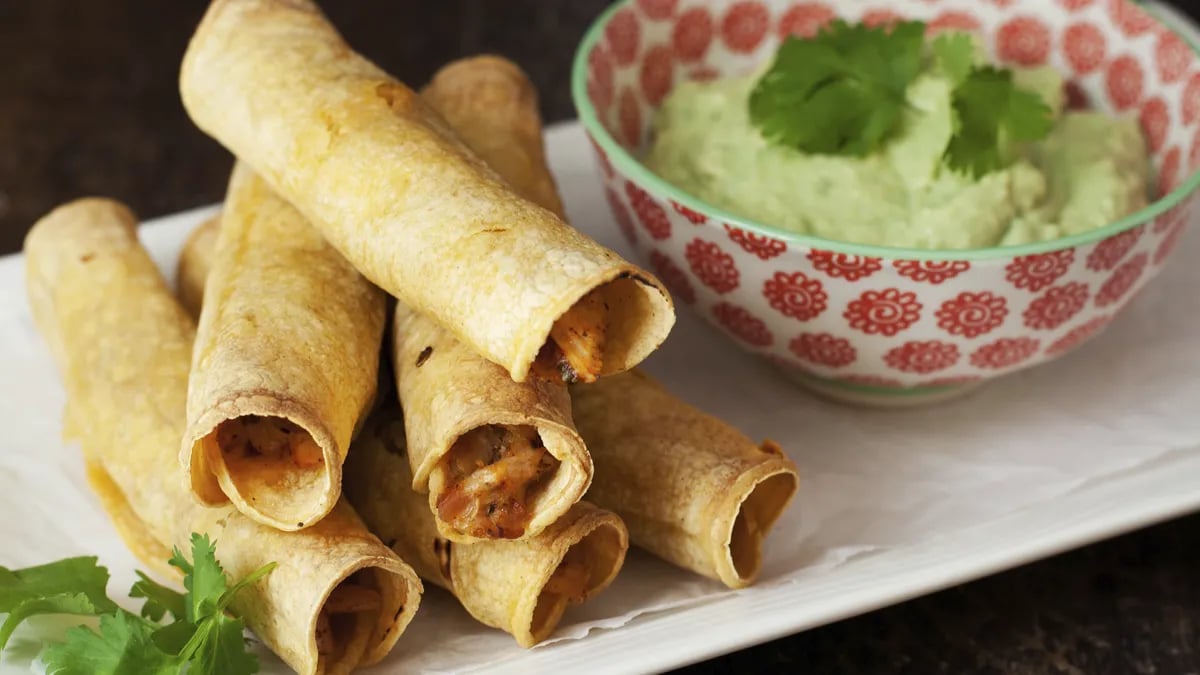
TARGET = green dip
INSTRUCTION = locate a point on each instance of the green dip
(1089, 171)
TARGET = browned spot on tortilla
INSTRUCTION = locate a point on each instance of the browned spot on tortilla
(441, 547)
(397, 96)
(771, 448)
(424, 356)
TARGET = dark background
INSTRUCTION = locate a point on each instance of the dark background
(88, 105)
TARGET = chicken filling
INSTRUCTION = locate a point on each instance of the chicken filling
(493, 473)
(272, 437)
(575, 350)
(348, 599)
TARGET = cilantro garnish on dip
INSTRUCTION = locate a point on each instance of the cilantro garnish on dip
(880, 135)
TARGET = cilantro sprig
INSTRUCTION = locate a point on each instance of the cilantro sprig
(844, 91)
(203, 637)
(841, 92)
(991, 112)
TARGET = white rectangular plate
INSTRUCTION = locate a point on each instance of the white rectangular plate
(893, 504)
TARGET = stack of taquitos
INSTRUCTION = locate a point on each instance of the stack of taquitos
(468, 233)
(524, 586)
(692, 489)
(338, 598)
(488, 283)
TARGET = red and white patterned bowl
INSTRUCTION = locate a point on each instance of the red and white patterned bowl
(880, 324)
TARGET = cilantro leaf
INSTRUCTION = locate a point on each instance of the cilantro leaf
(202, 639)
(122, 646)
(955, 55)
(173, 637)
(844, 91)
(70, 575)
(204, 577)
(993, 112)
(159, 599)
(210, 640)
(841, 92)
(74, 603)
(224, 650)
(69, 586)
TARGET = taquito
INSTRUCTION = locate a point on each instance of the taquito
(392, 187)
(521, 587)
(338, 598)
(285, 363)
(693, 490)
(500, 459)
(190, 272)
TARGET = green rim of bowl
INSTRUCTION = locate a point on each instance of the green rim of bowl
(633, 168)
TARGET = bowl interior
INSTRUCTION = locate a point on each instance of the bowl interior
(1116, 56)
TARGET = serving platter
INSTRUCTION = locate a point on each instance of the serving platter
(892, 504)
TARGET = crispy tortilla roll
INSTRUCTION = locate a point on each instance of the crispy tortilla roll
(285, 363)
(339, 598)
(692, 489)
(492, 106)
(499, 459)
(522, 587)
(388, 184)
(194, 264)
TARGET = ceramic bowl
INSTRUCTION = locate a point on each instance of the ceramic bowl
(876, 324)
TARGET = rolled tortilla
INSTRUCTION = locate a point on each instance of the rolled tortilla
(522, 587)
(692, 489)
(339, 598)
(499, 459)
(191, 272)
(285, 364)
(493, 107)
(392, 188)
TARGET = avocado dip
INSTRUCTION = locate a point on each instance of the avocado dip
(1090, 170)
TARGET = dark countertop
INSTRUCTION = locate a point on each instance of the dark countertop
(88, 105)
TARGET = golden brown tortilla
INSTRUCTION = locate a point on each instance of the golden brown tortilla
(285, 363)
(522, 587)
(123, 346)
(191, 273)
(392, 188)
(692, 489)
